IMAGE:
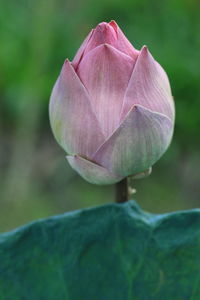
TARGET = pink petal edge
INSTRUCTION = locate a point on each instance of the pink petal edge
(77, 58)
(122, 43)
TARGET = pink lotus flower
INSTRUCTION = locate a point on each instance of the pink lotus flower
(111, 108)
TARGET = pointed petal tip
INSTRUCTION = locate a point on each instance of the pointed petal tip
(102, 24)
(140, 109)
(67, 64)
(67, 61)
(110, 48)
(114, 25)
(91, 171)
(114, 51)
(144, 50)
(144, 53)
(103, 27)
(113, 22)
(105, 45)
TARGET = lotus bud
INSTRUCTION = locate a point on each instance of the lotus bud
(111, 108)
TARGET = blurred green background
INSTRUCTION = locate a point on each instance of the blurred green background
(35, 38)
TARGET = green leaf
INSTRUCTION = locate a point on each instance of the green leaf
(112, 252)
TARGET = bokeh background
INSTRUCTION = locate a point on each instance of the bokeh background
(35, 38)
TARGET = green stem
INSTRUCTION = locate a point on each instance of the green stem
(122, 191)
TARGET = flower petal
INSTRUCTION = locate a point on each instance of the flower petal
(73, 122)
(149, 87)
(91, 171)
(105, 72)
(137, 144)
(122, 43)
(110, 33)
(102, 34)
(81, 50)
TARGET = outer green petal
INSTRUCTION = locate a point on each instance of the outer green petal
(92, 172)
(137, 144)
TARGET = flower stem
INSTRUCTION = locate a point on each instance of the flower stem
(122, 191)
